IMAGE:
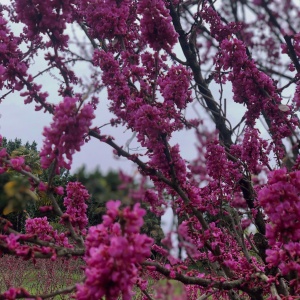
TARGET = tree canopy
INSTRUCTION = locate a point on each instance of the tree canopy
(227, 71)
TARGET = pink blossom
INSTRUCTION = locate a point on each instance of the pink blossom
(280, 200)
(250, 86)
(218, 166)
(15, 293)
(12, 68)
(218, 30)
(112, 254)
(59, 190)
(66, 134)
(76, 210)
(12, 241)
(41, 18)
(17, 163)
(45, 208)
(107, 18)
(156, 24)
(44, 231)
(174, 86)
(254, 150)
(42, 187)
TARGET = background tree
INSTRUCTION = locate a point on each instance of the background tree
(15, 194)
(103, 188)
(16, 206)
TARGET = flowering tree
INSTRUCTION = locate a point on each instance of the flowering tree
(237, 205)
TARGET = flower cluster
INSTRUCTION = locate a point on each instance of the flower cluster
(106, 18)
(66, 133)
(251, 87)
(16, 163)
(118, 90)
(113, 251)
(194, 239)
(280, 200)
(45, 232)
(6, 162)
(11, 65)
(153, 121)
(156, 201)
(35, 93)
(15, 243)
(218, 166)
(43, 17)
(156, 24)
(174, 86)
(253, 150)
(254, 88)
(76, 210)
(218, 30)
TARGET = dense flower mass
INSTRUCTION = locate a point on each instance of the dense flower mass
(107, 18)
(280, 199)
(43, 17)
(76, 210)
(113, 251)
(156, 27)
(250, 86)
(11, 65)
(174, 86)
(254, 150)
(44, 231)
(66, 134)
(218, 30)
(218, 166)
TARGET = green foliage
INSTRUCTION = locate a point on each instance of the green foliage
(103, 188)
(15, 192)
(16, 144)
(14, 182)
(32, 158)
(16, 197)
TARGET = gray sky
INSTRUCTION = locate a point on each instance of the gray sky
(21, 121)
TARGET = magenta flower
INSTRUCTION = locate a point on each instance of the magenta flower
(113, 252)
(44, 231)
(174, 86)
(66, 134)
(156, 25)
(280, 199)
(76, 210)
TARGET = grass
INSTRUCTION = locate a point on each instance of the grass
(43, 277)
(47, 276)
